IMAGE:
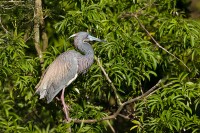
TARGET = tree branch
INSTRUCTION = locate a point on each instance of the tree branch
(125, 117)
(146, 94)
(143, 27)
(109, 80)
(37, 14)
(158, 43)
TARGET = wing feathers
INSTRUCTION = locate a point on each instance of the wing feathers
(62, 71)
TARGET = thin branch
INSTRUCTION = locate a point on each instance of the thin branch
(146, 94)
(159, 44)
(123, 116)
(5, 30)
(143, 27)
(111, 127)
(160, 88)
(109, 80)
(30, 36)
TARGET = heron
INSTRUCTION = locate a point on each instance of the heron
(65, 69)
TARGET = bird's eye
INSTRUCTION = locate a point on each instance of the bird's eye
(86, 39)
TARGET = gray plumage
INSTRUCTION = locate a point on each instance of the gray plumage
(66, 67)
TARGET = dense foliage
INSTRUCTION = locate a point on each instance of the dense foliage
(131, 59)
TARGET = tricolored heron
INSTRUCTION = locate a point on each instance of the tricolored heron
(65, 69)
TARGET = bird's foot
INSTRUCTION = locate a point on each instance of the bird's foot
(65, 107)
(67, 120)
(66, 111)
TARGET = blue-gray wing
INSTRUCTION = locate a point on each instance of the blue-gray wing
(60, 73)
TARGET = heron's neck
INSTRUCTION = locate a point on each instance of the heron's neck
(86, 60)
(85, 48)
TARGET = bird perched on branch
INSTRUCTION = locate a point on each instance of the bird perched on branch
(65, 69)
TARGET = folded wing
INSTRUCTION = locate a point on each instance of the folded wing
(60, 73)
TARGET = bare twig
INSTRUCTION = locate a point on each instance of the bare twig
(109, 80)
(146, 94)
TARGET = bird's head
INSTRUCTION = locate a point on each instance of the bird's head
(84, 37)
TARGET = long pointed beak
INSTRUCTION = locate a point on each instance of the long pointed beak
(91, 38)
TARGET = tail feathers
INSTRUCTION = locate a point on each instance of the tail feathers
(49, 92)
(42, 93)
(53, 91)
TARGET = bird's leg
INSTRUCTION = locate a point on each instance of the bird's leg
(65, 107)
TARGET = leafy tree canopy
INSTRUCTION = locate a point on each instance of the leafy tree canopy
(150, 45)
